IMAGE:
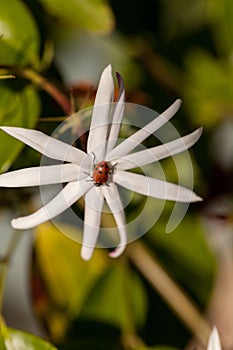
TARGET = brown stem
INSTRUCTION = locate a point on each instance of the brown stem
(172, 294)
(52, 90)
(43, 83)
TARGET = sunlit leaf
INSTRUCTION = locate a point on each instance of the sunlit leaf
(19, 36)
(208, 89)
(220, 17)
(91, 15)
(17, 108)
(68, 278)
(12, 339)
(91, 290)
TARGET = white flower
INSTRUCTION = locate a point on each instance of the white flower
(214, 341)
(104, 131)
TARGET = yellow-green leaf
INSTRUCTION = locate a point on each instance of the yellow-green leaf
(91, 15)
(69, 279)
(19, 36)
(208, 89)
(12, 339)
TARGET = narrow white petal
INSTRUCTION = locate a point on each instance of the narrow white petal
(119, 108)
(214, 341)
(157, 153)
(105, 89)
(93, 208)
(70, 194)
(113, 199)
(154, 187)
(43, 175)
(101, 117)
(46, 145)
(134, 140)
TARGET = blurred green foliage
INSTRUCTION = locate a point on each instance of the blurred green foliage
(15, 339)
(164, 50)
(91, 15)
(20, 41)
(17, 108)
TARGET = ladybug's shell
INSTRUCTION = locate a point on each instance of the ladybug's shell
(100, 173)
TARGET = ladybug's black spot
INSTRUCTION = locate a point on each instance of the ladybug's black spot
(100, 172)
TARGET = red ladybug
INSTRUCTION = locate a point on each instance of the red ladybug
(100, 173)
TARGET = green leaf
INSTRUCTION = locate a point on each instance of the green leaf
(117, 298)
(220, 17)
(17, 108)
(12, 339)
(91, 15)
(208, 89)
(19, 36)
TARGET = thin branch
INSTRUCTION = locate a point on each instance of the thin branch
(7, 76)
(52, 90)
(171, 293)
(43, 83)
